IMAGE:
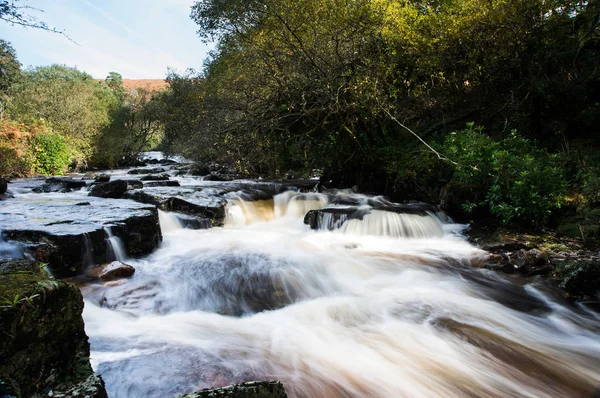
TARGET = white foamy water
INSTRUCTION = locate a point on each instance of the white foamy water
(392, 305)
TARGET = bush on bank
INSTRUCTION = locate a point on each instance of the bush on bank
(28, 149)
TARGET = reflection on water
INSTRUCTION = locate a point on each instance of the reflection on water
(390, 305)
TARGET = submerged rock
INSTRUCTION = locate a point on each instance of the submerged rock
(43, 344)
(112, 189)
(253, 389)
(70, 238)
(110, 271)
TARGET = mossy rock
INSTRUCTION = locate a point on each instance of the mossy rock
(253, 389)
(579, 278)
(43, 344)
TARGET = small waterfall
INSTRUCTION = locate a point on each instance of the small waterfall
(397, 225)
(298, 204)
(88, 251)
(168, 222)
(331, 221)
(8, 249)
(115, 249)
(246, 210)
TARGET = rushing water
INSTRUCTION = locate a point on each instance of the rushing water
(392, 305)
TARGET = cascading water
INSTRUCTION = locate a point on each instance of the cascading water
(168, 222)
(8, 249)
(88, 251)
(115, 248)
(382, 305)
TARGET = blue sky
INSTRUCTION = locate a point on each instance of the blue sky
(137, 38)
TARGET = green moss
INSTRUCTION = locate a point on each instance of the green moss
(42, 338)
(579, 278)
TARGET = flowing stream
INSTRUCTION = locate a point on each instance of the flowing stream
(390, 305)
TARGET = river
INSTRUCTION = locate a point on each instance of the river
(390, 305)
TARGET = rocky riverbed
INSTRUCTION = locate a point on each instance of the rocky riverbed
(195, 281)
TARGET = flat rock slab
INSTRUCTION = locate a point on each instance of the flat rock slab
(253, 389)
(206, 203)
(70, 237)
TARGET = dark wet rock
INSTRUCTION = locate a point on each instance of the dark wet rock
(134, 184)
(43, 344)
(253, 389)
(5, 196)
(66, 182)
(199, 202)
(153, 177)
(47, 188)
(83, 204)
(147, 171)
(579, 277)
(71, 238)
(37, 190)
(3, 185)
(92, 387)
(102, 178)
(167, 162)
(199, 169)
(112, 189)
(161, 184)
(110, 271)
(193, 222)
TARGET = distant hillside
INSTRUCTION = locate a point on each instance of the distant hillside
(148, 84)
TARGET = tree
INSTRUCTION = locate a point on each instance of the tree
(73, 102)
(114, 80)
(15, 14)
(10, 68)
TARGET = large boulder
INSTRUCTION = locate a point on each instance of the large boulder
(253, 389)
(71, 238)
(43, 345)
(112, 189)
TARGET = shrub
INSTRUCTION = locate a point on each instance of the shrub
(51, 153)
(513, 179)
(27, 149)
(15, 158)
